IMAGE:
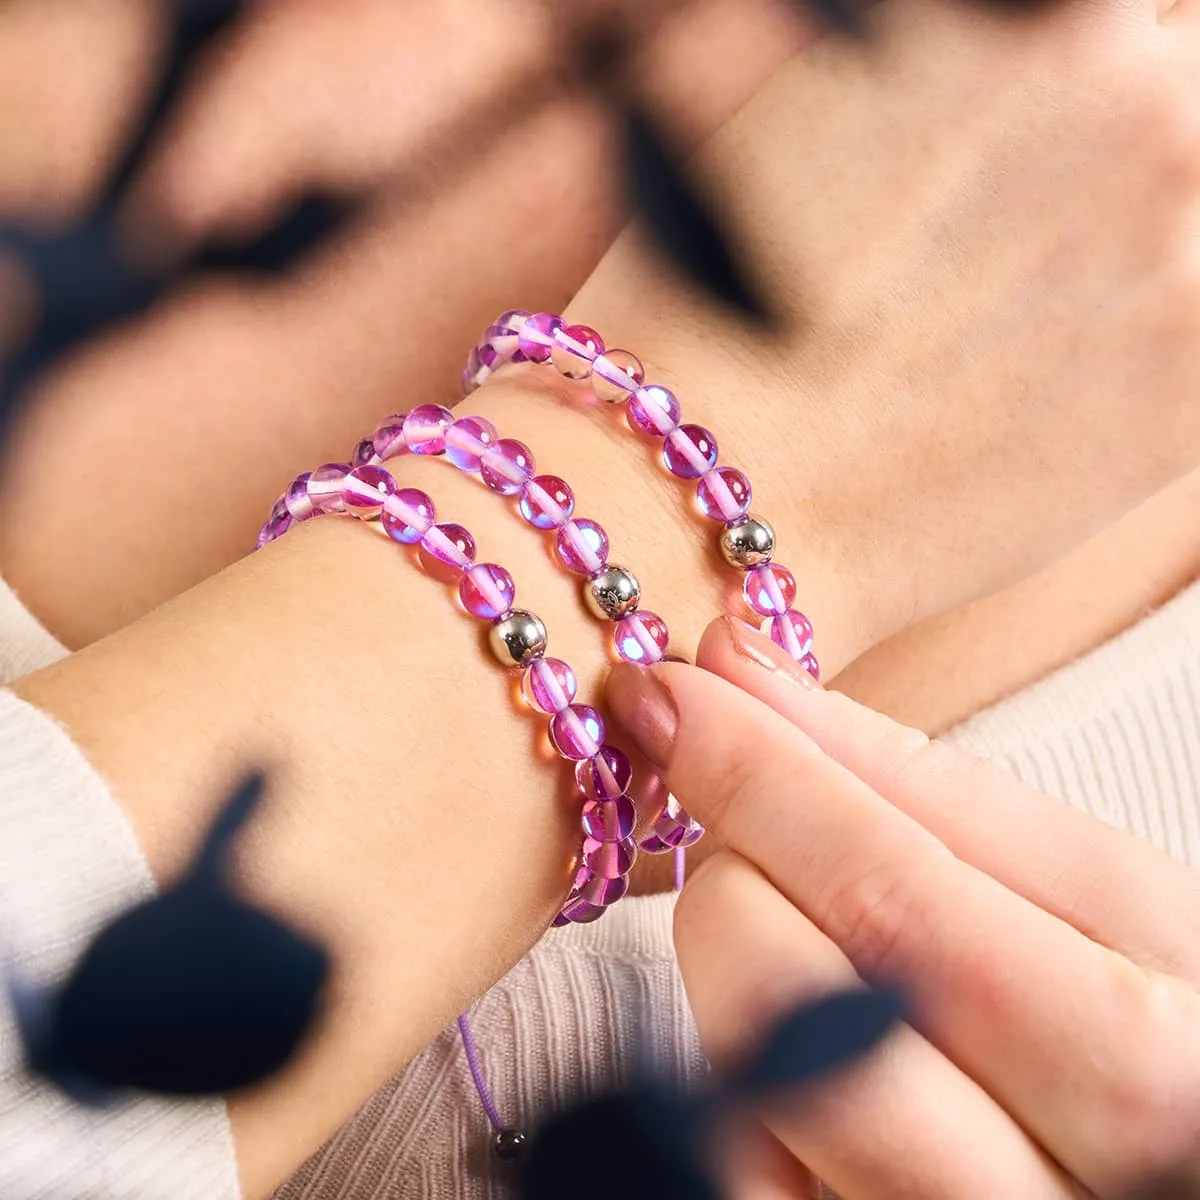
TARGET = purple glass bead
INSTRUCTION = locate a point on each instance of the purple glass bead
(487, 591)
(364, 453)
(578, 911)
(641, 637)
(791, 630)
(577, 731)
(325, 487)
(407, 515)
(365, 490)
(609, 820)
(573, 348)
(609, 860)
(425, 428)
(689, 451)
(615, 374)
(549, 685)
(446, 551)
(388, 439)
(810, 664)
(603, 892)
(546, 502)
(277, 524)
(653, 411)
(675, 828)
(296, 499)
(604, 776)
(582, 546)
(467, 439)
(723, 494)
(506, 466)
(536, 336)
(512, 320)
(769, 590)
(653, 844)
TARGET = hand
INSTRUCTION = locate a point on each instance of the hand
(1050, 960)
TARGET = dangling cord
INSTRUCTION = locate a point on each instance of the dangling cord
(507, 1143)
(680, 867)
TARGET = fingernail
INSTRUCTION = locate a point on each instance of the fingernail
(757, 648)
(644, 706)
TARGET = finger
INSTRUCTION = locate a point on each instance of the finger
(1107, 883)
(757, 1166)
(905, 1122)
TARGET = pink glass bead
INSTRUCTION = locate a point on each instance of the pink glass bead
(365, 490)
(653, 844)
(604, 776)
(653, 411)
(810, 664)
(364, 453)
(641, 637)
(537, 335)
(609, 860)
(511, 320)
(609, 820)
(296, 499)
(577, 731)
(582, 546)
(407, 515)
(325, 487)
(573, 348)
(277, 524)
(388, 439)
(487, 591)
(446, 551)
(546, 502)
(578, 911)
(770, 589)
(723, 494)
(689, 451)
(615, 374)
(425, 428)
(603, 892)
(791, 630)
(549, 685)
(675, 828)
(467, 439)
(507, 466)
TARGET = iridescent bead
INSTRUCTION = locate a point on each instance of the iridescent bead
(653, 844)
(609, 860)
(609, 820)
(506, 466)
(365, 490)
(577, 731)
(582, 546)
(296, 499)
(689, 451)
(603, 892)
(606, 775)
(723, 494)
(546, 502)
(511, 320)
(573, 348)
(446, 551)
(675, 828)
(407, 515)
(578, 911)
(325, 487)
(791, 630)
(487, 591)
(615, 374)
(810, 664)
(388, 439)
(467, 439)
(276, 525)
(641, 637)
(364, 453)
(653, 411)
(769, 590)
(425, 428)
(536, 336)
(549, 685)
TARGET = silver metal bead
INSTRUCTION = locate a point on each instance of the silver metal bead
(748, 543)
(612, 593)
(518, 638)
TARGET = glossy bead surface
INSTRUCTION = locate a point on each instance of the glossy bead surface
(536, 335)
(297, 500)
(573, 348)
(793, 631)
(325, 487)
(770, 589)
(653, 411)
(518, 638)
(546, 502)
(612, 593)
(609, 860)
(512, 320)
(723, 494)
(747, 543)
(810, 664)
(675, 828)
(408, 514)
(641, 637)
(578, 911)
(615, 374)
(388, 439)
(582, 546)
(446, 551)
(364, 491)
(487, 591)
(467, 439)
(689, 451)
(425, 428)
(276, 525)
(609, 820)
(509, 1145)
(577, 731)
(603, 892)
(506, 466)
(363, 454)
(606, 775)
(549, 685)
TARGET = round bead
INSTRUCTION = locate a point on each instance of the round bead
(723, 494)
(577, 731)
(325, 487)
(277, 524)
(536, 336)
(518, 638)
(573, 349)
(506, 466)
(609, 820)
(549, 684)
(512, 320)
(425, 428)
(408, 515)
(747, 543)
(770, 589)
(296, 499)
(641, 637)
(546, 502)
(364, 453)
(675, 828)
(446, 551)
(582, 546)
(793, 631)
(653, 411)
(615, 374)
(810, 664)
(509, 1145)
(388, 439)
(365, 490)
(606, 775)
(612, 593)
(603, 892)
(578, 911)
(689, 451)
(467, 439)
(487, 591)
(609, 860)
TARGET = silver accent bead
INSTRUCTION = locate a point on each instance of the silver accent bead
(517, 638)
(612, 593)
(748, 543)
